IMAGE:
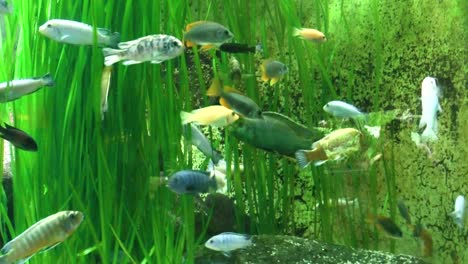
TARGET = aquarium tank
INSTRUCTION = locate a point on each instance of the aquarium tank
(191, 131)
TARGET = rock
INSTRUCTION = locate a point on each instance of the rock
(287, 249)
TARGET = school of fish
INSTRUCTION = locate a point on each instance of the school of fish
(238, 113)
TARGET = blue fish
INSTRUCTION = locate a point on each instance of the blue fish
(192, 182)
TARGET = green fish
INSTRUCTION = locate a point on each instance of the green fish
(274, 132)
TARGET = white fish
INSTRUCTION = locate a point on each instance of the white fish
(15, 89)
(430, 94)
(73, 32)
(342, 110)
(228, 241)
(459, 213)
(43, 235)
(154, 48)
(5, 7)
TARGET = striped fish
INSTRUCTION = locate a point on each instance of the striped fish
(43, 235)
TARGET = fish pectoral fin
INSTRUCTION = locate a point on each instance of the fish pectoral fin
(274, 80)
(227, 254)
(130, 62)
(320, 162)
(64, 37)
(207, 47)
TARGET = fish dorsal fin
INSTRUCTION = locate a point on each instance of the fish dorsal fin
(245, 236)
(300, 130)
(194, 24)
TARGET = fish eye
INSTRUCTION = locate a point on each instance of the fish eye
(175, 44)
(49, 25)
(211, 241)
(226, 32)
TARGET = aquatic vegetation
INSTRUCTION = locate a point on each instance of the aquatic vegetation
(102, 162)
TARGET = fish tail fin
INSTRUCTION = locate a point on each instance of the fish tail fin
(112, 56)
(114, 39)
(186, 117)
(297, 32)
(428, 134)
(216, 88)
(302, 158)
(48, 80)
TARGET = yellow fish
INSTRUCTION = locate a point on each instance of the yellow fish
(337, 145)
(41, 236)
(310, 34)
(272, 71)
(215, 115)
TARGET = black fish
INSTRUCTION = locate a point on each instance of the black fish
(18, 138)
(237, 48)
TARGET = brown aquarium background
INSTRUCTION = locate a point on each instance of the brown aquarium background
(376, 55)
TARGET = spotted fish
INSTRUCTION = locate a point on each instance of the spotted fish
(153, 48)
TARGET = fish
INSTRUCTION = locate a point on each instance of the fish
(207, 34)
(386, 225)
(153, 48)
(426, 239)
(272, 71)
(42, 236)
(233, 99)
(337, 145)
(192, 182)
(236, 72)
(214, 115)
(77, 33)
(229, 241)
(198, 139)
(309, 34)
(459, 213)
(12, 90)
(342, 110)
(105, 85)
(404, 212)
(237, 48)
(5, 7)
(18, 138)
(430, 93)
(221, 166)
(274, 133)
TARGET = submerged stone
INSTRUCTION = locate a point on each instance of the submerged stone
(288, 249)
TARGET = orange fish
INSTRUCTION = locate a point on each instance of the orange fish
(310, 34)
(426, 239)
(215, 115)
(386, 225)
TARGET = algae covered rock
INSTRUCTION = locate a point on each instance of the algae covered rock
(288, 249)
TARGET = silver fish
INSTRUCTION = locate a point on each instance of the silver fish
(5, 7)
(430, 94)
(41, 236)
(154, 48)
(459, 213)
(77, 33)
(228, 241)
(15, 89)
(198, 139)
(342, 110)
